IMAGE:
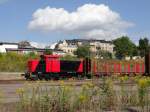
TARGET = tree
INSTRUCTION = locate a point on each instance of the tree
(135, 51)
(82, 51)
(32, 55)
(143, 46)
(124, 47)
(68, 57)
(48, 52)
(105, 54)
(24, 44)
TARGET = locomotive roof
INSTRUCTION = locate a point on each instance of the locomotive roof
(52, 56)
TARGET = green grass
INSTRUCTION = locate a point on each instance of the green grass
(12, 62)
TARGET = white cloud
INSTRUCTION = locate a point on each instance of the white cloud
(88, 21)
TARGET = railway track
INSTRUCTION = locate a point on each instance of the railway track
(9, 87)
(59, 82)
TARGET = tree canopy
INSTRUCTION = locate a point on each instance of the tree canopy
(68, 57)
(143, 46)
(104, 54)
(124, 47)
(48, 52)
(24, 44)
(82, 51)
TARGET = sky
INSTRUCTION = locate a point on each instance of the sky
(48, 21)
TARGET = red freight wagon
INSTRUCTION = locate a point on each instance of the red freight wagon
(101, 67)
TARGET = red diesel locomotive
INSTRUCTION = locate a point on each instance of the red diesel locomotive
(51, 67)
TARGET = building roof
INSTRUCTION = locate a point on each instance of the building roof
(87, 41)
(25, 49)
(30, 49)
(10, 43)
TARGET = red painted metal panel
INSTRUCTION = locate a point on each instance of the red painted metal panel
(137, 68)
(55, 66)
(134, 68)
(80, 69)
(32, 65)
(51, 57)
(115, 68)
(128, 68)
(52, 66)
(48, 66)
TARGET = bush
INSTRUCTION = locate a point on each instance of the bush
(13, 62)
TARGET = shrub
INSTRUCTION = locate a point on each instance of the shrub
(12, 62)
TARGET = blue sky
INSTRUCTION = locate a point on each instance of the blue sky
(15, 16)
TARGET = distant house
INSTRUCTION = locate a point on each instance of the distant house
(66, 46)
(7, 45)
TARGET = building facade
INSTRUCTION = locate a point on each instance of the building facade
(69, 46)
(20, 48)
(6, 45)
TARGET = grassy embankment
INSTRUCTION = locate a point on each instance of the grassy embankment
(12, 62)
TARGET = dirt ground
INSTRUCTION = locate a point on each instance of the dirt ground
(8, 86)
(9, 82)
(11, 75)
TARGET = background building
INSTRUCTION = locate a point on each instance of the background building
(69, 46)
(7, 45)
(24, 47)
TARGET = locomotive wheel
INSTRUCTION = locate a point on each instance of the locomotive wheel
(47, 77)
(27, 77)
(34, 78)
(56, 76)
(40, 77)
